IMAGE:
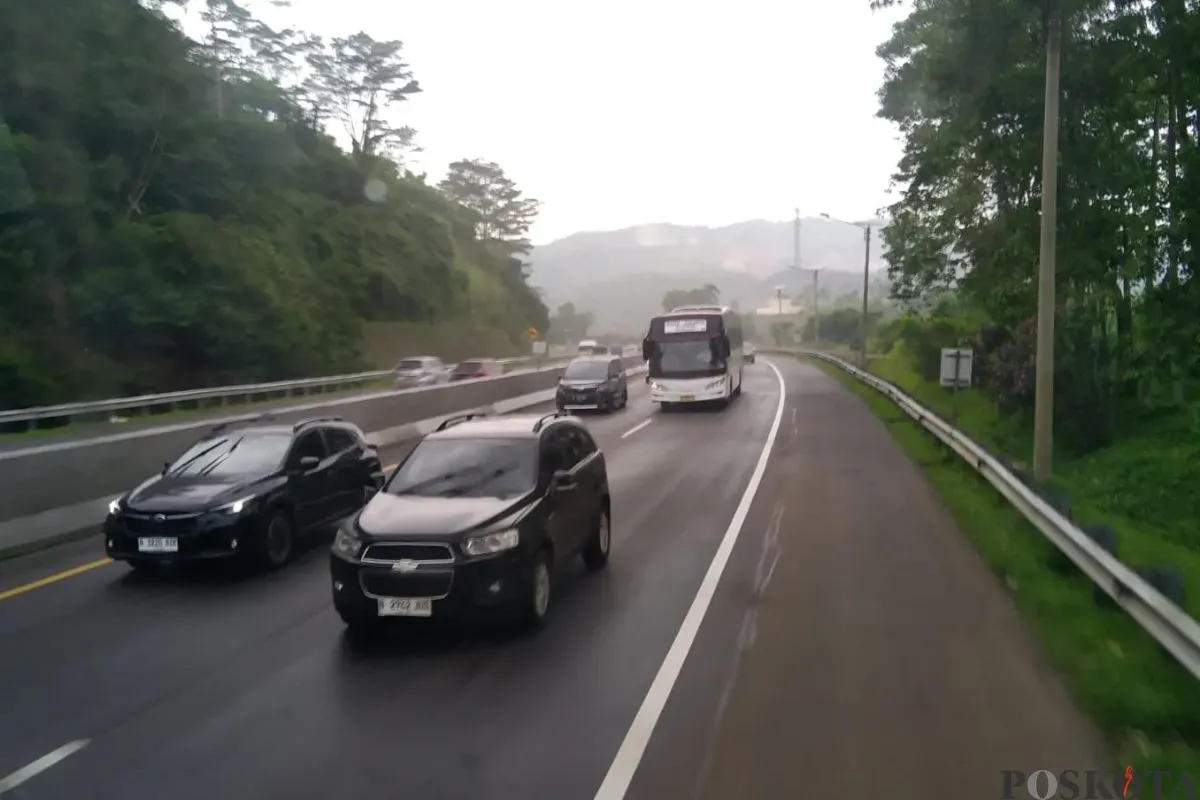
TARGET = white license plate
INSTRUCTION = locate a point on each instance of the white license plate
(405, 607)
(158, 544)
(687, 398)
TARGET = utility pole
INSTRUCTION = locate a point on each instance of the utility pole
(779, 297)
(866, 286)
(1043, 412)
(817, 308)
(796, 245)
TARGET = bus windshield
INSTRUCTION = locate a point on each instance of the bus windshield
(687, 358)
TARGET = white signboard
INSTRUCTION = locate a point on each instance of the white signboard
(539, 348)
(685, 325)
(956, 367)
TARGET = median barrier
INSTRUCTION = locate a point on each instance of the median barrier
(52, 490)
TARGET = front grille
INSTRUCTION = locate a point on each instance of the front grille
(383, 584)
(177, 525)
(397, 551)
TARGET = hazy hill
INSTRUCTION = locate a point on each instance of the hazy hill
(622, 275)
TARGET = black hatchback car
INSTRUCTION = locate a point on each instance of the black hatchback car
(595, 383)
(478, 519)
(246, 489)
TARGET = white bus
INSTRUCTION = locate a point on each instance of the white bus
(694, 355)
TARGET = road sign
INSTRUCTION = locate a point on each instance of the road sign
(532, 332)
(956, 367)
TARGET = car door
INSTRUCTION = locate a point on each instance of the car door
(562, 516)
(591, 478)
(311, 489)
(347, 482)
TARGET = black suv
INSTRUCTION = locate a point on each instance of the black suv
(477, 519)
(596, 383)
(247, 488)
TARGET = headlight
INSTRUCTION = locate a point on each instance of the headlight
(715, 384)
(114, 506)
(656, 386)
(236, 507)
(492, 543)
(346, 544)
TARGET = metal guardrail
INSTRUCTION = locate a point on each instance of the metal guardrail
(1170, 625)
(224, 394)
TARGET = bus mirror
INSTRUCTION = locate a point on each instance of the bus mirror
(645, 350)
(725, 347)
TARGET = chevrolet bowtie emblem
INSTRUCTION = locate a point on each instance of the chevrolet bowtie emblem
(404, 565)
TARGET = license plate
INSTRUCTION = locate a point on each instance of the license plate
(158, 544)
(687, 398)
(405, 607)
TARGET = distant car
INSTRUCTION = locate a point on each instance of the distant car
(748, 353)
(476, 368)
(587, 347)
(247, 489)
(593, 383)
(420, 371)
(478, 521)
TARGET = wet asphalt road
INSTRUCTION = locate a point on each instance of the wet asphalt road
(878, 638)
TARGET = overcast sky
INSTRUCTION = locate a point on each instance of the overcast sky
(628, 112)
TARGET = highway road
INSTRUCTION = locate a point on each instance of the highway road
(789, 612)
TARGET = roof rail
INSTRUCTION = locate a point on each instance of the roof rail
(699, 307)
(541, 423)
(266, 416)
(461, 418)
(312, 420)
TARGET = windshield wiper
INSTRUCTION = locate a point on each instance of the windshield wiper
(179, 470)
(419, 485)
(484, 480)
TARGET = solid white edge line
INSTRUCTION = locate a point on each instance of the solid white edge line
(636, 428)
(629, 756)
(34, 768)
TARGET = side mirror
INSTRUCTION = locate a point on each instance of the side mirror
(166, 466)
(307, 463)
(562, 481)
(646, 350)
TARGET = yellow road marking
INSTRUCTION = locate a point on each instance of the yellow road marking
(55, 578)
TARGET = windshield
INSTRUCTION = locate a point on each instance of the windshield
(410, 364)
(689, 358)
(235, 454)
(467, 468)
(586, 371)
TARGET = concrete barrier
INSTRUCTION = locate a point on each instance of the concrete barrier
(52, 489)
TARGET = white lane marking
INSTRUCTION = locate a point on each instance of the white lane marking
(633, 747)
(636, 428)
(44, 763)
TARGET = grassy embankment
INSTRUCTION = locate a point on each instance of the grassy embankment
(1146, 704)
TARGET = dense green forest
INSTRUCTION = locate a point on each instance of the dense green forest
(173, 212)
(964, 84)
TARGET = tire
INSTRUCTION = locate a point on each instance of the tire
(274, 548)
(595, 553)
(359, 625)
(538, 599)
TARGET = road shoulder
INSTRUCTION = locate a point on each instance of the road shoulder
(858, 644)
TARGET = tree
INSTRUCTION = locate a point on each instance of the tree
(705, 295)
(174, 214)
(568, 325)
(963, 83)
(503, 214)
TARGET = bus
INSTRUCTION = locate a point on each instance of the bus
(694, 355)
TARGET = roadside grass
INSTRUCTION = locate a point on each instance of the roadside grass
(1144, 702)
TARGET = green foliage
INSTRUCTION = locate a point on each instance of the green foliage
(964, 84)
(172, 213)
(569, 325)
(704, 295)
